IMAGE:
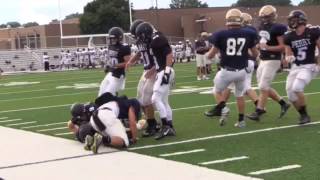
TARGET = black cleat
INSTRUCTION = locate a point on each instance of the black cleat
(213, 112)
(165, 131)
(150, 131)
(284, 109)
(304, 120)
(255, 116)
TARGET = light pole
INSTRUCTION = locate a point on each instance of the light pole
(61, 30)
(130, 11)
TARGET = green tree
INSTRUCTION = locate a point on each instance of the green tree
(100, 15)
(176, 4)
(3, 26)
(309, 2)
(74, 15)
(13, 24)
(255, 3)
(30, 24)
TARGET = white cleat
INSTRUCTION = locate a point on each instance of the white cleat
(241, 124)
(224, 116)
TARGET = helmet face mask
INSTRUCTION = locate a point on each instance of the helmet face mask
(144, 32)
(297, 18)
(115, 36)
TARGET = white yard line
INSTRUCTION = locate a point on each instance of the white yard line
(275, 169)
(3, 117)
(24, 123)
(10, 120)
(63, 134)
(35, 108)
(224, 160)
(43, 125)
(52, 129)
(182, 152)
(221, 136)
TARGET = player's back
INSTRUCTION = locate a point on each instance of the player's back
(234, 45)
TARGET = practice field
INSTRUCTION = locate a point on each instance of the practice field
(270, 149)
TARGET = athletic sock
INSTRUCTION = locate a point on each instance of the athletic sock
(106, 140)
(164, 121)
(303, 111)
(282, 102)
(259, 111)
(241, 117)
(256, 102)
(221, 105)
(152, 122)
(169, 123)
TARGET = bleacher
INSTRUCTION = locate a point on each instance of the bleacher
(18, 60)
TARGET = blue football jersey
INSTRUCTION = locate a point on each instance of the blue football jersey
(234, 45)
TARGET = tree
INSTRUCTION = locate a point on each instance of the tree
(3, 26)
(13, 24)
(255, 3)
(74, 15)
(100, 15)
(309, 2)
(30, 24)
(176, 4)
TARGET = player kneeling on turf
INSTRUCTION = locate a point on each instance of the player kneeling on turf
(111, 120)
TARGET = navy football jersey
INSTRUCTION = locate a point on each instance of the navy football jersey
(116, 54)
(269, 34)
(234, 45)
(248, 27)
(160, 48)
(303, 46)
(146, 55)
(124, 105)
(201, 44)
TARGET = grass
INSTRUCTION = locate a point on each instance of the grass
(268, 149)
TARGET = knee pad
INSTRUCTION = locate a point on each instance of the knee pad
(292, 96)
(298, 85)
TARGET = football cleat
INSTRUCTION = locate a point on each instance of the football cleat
(255, 116)
(88, 142)
(97, 141)
(284, 110)
(240, 124)
(150, 131)
(213, 112)
(304, 120)
(165, 131)
(224, 116)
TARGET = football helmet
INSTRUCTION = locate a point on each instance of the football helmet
(115, 35)
(268, 14)
(233, 17)
(134, 26)
(247, 19)
(144, 32)
(297, 18)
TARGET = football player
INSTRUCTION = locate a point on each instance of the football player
(271, 48)
(147, 80)
(111, 121)
(233, 45)
(162, 53)
(247, 24)
(201, 48)
(300, 45)
(119, 55)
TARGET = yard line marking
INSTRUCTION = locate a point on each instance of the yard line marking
(224, 160)
(3, 117)
(10, 120)
(35, 108)
(182, 152)
(52, 129)
(43, 125)
(177, 109)
(18, 124)
(62, 134)
(222, 136)
(275, 169)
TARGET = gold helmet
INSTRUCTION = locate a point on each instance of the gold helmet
(268, 14)
(247, 19)
(233, 17)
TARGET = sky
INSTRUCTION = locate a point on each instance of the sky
(43, 11)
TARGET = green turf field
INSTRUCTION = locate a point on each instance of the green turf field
(43, 107)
